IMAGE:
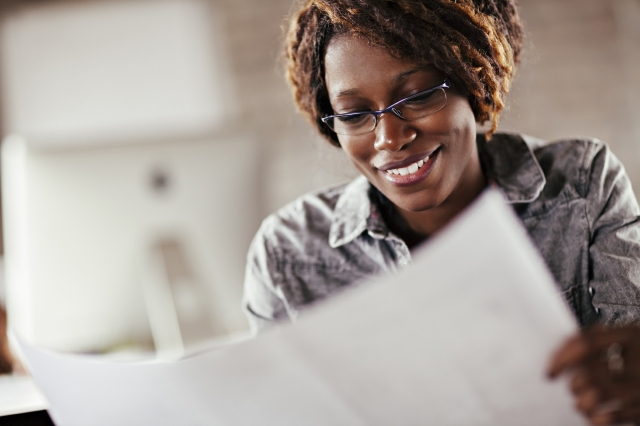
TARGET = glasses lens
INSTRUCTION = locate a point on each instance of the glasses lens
(423, 104)
(356, 124)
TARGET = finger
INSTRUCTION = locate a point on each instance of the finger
(590, 345)
(628, 394)
(616, 416)
(573, 351)
(588, 401)
(620, 404)
(597, 373)
(580, 381)
(603, 337)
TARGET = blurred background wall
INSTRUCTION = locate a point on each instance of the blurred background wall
(578, 78)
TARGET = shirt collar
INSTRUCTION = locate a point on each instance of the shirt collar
(507, 160)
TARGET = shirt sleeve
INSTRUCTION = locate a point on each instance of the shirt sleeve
(262, 302)
(613, 215)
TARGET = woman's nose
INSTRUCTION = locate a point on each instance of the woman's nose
(392, 133)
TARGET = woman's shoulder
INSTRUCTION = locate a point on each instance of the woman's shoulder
(541, 175)
(575, 162)
(569, 153)
(583, 163)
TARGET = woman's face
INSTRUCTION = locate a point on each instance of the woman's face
(361, 77)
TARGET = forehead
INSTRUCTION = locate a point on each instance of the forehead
(352, 63)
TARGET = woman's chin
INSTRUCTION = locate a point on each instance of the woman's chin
(415, 203)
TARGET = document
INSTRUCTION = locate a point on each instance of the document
(461, 337)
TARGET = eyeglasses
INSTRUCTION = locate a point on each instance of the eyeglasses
(418, 105)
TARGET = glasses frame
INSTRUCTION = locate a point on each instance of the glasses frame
(391, 108)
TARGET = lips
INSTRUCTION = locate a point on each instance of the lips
(406, 162)
(411, 170)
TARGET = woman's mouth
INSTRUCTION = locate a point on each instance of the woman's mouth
(413, 173)
(412, 168)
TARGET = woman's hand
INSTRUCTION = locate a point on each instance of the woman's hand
(604, 365)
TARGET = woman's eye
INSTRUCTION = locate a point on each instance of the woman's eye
(352, 119)
(421, 99)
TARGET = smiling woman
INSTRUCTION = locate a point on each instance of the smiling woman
(364, 77)
(400, 86)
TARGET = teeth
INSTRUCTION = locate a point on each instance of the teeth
(403, 171)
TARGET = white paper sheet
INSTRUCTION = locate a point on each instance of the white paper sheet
(460, 338)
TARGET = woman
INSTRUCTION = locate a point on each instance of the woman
(400, 86)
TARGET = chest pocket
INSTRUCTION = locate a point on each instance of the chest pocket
(307, 282)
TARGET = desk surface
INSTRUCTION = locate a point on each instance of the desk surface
(19, 394)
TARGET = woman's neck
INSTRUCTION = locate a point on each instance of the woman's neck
(416, 227)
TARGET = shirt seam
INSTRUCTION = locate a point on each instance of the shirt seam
(618, 304)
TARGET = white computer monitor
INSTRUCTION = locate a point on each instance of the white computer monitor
(102, 242)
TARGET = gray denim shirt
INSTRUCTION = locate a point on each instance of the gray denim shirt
(573, 196)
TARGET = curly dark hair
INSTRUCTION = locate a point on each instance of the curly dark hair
(477, 43)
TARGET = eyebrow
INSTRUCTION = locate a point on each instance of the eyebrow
(397, 79)
(348, 92)
(404, 75)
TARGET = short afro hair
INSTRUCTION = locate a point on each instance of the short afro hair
(476, 43)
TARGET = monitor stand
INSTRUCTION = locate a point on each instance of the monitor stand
(178, 303)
